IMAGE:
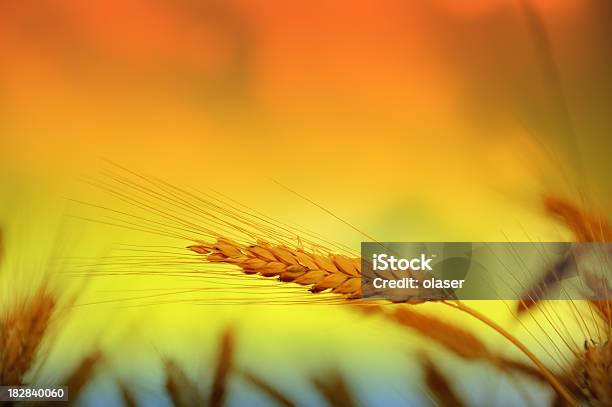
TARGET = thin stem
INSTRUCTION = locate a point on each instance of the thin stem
(548, 375)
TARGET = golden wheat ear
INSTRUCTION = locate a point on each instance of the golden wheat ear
(331, 272)
(439, 387)
(266, 388)
(22, 330)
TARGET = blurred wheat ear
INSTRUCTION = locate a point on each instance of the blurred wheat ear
(595, 375)
(22, 330)
(184, 392)
(224, 365)
(586, 226)
(27, 328)
(181, 390)
(334, 389)
(590, 375)
(601, 289)
(126, 395)
(82, 376)
(438, 385)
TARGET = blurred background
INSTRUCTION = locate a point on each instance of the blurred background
(435, 120)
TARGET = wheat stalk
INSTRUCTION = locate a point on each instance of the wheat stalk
(458, 340)
(266, 388)
(224, 365)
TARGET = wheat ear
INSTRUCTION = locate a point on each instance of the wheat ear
(334, 389)
(594, 374)
(126, 395)
(337, 273)
(82, 375)
(591, 372)
(586, 227)
(181, 390)
(438, 385)
(22, 330)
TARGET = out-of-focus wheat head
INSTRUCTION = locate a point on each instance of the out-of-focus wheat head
(181, 390)
(185, 392)
(333, 388)
(595, 377)
(586, 226)
(82, 375)
(590, 375)
(23, 327)
(439, 386)
(29, 325)
(24, 324)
